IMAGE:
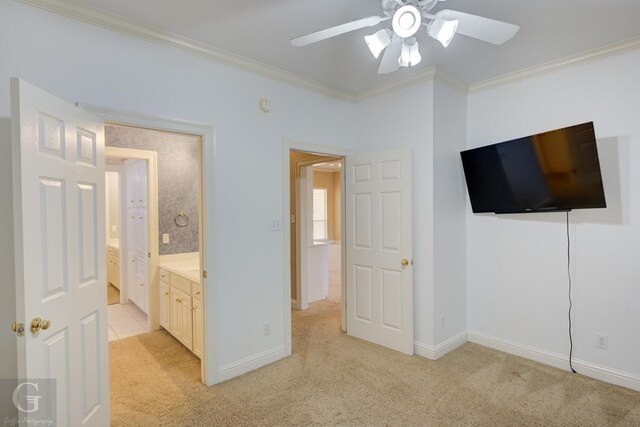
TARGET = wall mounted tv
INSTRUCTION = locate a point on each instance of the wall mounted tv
(557, 170)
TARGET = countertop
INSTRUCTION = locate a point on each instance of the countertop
(189, 269)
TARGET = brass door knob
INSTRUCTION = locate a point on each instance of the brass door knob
(404, 262)
(38, 323)
(14, 327)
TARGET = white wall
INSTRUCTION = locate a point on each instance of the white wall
(517, 279)
(8, 347)
(449, 209)
(80, 62)
(405, 119)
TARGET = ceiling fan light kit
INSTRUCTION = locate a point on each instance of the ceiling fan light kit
(410, 55)
(443, 30)
(399, 43)
(378, 41)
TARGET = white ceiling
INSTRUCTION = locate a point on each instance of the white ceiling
(261, 30)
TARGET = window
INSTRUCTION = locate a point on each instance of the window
(320, 214)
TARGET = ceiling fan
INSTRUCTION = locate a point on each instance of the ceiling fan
(407, 17)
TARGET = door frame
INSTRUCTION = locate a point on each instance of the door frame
(209, 363)
(151, 157)
(325, 150)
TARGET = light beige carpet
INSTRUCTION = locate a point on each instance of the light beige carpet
(333, 379)
(113, 294)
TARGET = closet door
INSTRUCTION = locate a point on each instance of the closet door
(137, 232)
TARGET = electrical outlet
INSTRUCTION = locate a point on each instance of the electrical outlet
(113, 228)
(275, 225)
(266, 328)
(165, 239)
(602, 341)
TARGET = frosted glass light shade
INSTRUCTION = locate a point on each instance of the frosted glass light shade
(443, 30)
(410, 55)
(378, 41)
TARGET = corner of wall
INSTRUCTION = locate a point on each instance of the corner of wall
(8, 351)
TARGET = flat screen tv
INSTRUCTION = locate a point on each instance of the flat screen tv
(557, 170)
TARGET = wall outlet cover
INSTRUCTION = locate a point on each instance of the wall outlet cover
(165, 239)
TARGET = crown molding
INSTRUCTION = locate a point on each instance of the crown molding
(431, 73)
(93, 15)
(559, 64)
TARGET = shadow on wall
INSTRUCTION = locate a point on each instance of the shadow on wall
(612, 152)
(8, 350)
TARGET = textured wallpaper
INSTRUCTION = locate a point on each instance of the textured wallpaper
(178, 175)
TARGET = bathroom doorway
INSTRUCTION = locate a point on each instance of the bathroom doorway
(158, 240)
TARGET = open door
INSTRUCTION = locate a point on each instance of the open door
(58, 178)
(379, 266)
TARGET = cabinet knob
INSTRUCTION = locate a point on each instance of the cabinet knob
(198, 293)
(166, 293)
(141, 284)
(193, 309)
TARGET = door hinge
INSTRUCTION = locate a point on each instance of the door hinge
(18, 328)
(204, 273)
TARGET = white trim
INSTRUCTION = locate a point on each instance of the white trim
(93, 15)
(251, 363)
(559, 64)
(436, 352)
(431, 73)
(602, 373)
(209, 371)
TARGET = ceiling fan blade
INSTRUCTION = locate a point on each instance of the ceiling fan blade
(337, 30)
(478, 27)
(389, 62)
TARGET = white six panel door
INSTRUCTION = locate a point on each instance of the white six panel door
(379, 238)
(59, 208)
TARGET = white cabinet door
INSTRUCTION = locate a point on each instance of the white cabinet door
(380, 249)
(176, 313)
(135, 172)
(60, 250)
(165, 306)
(198, 333)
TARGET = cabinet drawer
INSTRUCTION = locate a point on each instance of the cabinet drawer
(181, 283)
(196, 290)
(164, 275)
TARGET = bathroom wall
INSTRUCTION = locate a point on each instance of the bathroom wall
(178, 181)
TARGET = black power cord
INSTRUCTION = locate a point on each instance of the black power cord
(570, 303)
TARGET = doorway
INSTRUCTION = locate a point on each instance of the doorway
(159, 239)
(316, 208)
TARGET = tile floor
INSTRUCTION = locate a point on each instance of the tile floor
(125, 320)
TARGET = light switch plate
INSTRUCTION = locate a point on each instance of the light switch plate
(165, 239)
(275, 225)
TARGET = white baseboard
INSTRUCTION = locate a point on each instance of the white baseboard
(588, 369)
(436, 352)
(250, 363)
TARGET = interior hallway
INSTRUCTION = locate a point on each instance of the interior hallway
(334, 379)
